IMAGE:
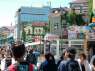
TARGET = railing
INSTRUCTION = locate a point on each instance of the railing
(71, 42)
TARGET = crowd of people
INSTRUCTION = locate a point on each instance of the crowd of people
(19, 58)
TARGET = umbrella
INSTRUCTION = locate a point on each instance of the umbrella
(91, 25)
(87, 28)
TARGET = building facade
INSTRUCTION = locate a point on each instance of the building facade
(28, 15)
(39, 30)
(80, 6)
(57, 24)
(6, 35)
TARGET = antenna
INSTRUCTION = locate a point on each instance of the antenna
(49, 3)
(60, 6)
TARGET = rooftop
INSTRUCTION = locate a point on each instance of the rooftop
(79, 1)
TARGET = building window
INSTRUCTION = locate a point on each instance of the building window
(38, 30)
(56, 12)
(56, 26)
(63, 23)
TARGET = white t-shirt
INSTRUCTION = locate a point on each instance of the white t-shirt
(3, 64)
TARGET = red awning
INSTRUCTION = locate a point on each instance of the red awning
(39, 24)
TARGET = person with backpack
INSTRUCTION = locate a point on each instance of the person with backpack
(70, 64)
(60, 60)
(62, 64)
(18, 52)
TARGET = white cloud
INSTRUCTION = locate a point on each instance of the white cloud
(37, 4)
(5, 21)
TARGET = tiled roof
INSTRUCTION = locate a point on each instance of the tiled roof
(79, 1)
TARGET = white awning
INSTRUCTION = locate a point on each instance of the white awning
(33, 43)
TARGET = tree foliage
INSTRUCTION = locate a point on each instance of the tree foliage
(23, 34)
(73, 18)
(90, 5)
(79, 20)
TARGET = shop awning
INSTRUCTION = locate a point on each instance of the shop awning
(33, 43)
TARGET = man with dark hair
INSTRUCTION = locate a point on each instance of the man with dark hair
(70, 64)
(72, 52)
(18, 52)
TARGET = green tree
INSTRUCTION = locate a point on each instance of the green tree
(47, 27)
(23, 34)
(90, 5)
(66, 17)
(79, 20)
(71, 17)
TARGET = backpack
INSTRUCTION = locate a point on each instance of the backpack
(21, 67)
(62, 66)
(31, 58)
(72, 65)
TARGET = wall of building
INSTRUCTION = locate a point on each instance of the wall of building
(28, 15)
(80, 7)
(32, 14)
(55, 25)
(57, 22)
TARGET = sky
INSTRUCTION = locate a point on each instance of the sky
(8, 8)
